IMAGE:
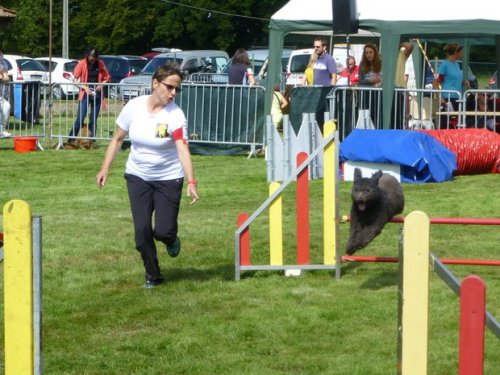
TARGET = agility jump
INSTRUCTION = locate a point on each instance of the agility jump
(22, 289)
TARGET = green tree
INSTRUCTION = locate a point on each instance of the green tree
(28, 34)
(135, 26)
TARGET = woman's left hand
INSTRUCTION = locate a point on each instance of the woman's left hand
(193, 192)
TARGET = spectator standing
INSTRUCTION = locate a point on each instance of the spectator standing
(349, 76)
(450, 75)
(400, 118)
(370, 67)
(4, 98)
(159, 160)
(278, 105)
(325, 67)
(241, 72)
(88, 73)
(370, 74)
(309, 72)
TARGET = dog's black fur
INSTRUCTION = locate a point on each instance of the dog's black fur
(375, 201)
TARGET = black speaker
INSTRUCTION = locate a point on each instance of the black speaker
(345, 18)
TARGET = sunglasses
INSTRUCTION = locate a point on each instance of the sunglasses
(171, 87)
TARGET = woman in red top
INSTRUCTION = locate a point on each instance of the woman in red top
(88, 73)
(349, 75)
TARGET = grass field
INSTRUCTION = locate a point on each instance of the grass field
(98, 320)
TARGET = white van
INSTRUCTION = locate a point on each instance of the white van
(299, 59)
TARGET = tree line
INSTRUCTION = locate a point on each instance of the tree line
(136, 26)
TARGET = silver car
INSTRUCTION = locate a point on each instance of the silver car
(189, 62)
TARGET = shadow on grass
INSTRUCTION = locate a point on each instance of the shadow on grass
(222, 272)
(381, 280)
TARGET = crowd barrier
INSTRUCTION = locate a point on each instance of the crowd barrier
(219, 113)
(414, 109)
(216, 113)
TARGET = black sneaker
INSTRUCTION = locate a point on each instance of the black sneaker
(150, 284)
(174, 248)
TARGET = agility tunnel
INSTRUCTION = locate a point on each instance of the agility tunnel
(477, 150)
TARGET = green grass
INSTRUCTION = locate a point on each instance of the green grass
(98, 320)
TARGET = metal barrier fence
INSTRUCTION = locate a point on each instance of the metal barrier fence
(216, 113)
(209, 78)
(219, 113)
(361, 107)
(26, 116)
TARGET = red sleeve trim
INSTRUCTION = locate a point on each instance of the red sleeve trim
(177, 134)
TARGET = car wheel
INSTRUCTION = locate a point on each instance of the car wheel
(57, 92)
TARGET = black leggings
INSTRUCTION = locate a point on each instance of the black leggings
(163, 198)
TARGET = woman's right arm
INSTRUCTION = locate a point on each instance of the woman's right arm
(362, 80)
(113, 148)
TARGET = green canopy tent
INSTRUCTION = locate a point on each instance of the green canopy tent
(395, 22)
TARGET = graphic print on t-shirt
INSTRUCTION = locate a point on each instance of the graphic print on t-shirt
(161, 131)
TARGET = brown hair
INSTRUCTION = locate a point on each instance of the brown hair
(321, 39)
(167, 70)
(376, 65)
(241, 57)
(452, 48)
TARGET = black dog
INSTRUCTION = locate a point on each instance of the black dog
(375, 201)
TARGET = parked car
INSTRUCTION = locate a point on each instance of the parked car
(122, 66)
(158, 50)
(61, 71)
(299, 59)
(23, 68)
(26, 73)
(259, 58)
(189, 62)
(297, 64)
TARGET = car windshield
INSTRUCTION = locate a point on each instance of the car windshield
(150, 68)
(299, 63)
(70, 66)
(67, 67)
(136, 66)
(28, 64)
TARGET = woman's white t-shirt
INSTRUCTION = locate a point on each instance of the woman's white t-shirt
(153, 154)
